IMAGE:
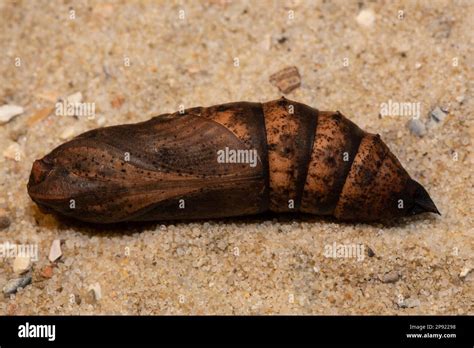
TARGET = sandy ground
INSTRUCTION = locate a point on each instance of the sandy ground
(135, 59)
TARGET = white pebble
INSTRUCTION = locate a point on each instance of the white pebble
(67, 133)
(465, 271)
(74, 98)
(266, 43)
(21, 264)
(101, 121)
(7, 112)
(417, 127)
(460, 99)
(390, 277)
(13, 152)
(96, 289)
(438, 114)
(55, 251)
(366, 18)
(409, 303)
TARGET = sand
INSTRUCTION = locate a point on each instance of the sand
(136, 59)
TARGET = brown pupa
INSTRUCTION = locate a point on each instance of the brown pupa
(227, 160)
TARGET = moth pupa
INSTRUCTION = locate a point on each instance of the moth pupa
(227, 160)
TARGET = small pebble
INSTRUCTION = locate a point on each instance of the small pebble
(266, 42)
(14, 284)
(117, 102)
(47, 272)
(55, 251)
(21, 264)
(460, 99)
(13, 152)
(101, 121)
(366, 18)
(282, 39)
(74, 98)
(441, 27)
(409, 303)
(94, 293)
(464, 272)
(390, 277)
(67, 133)
(7, 112)
(417, 127)
(438, 114)
(370, 252)
(286, 80)
(4, 222)
(90, 297)
(222, 245)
